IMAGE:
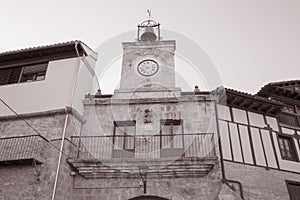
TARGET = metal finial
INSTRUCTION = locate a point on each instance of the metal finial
(149, 13)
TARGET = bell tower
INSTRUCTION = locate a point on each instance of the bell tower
(148, 63)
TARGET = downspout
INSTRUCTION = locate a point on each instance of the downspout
(65, 125)
(224, 179)
(60, 154)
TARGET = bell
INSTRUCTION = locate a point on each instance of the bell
(148, 35)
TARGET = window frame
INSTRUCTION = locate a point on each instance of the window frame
(125, 137)
(289, 182)
(21, 73)
(171, 151)
(291, 145)
(172, 135)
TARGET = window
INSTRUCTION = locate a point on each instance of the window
(171, 138)
(293, 189)
(288, 119)
(288, 108)
(287, 147)
(124, 139)
(21, 74)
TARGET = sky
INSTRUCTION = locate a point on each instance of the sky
(251, 43)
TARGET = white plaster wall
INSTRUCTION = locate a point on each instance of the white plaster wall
(52, 93)
(225, 140)
(239, 116)
(256, 119)
(236, 146)
(223, 112)
(258, 149)
(83, 83)
(272, 121)
(288, 131)
(246, 144)
(268, 148)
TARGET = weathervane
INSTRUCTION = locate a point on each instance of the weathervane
(149, 13)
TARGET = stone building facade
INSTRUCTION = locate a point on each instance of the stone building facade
(148, 140)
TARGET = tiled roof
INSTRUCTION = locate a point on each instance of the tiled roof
(283, 85)
(42, 47)
(283, 82)
(44, 53)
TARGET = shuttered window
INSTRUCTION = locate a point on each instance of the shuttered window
(124, 139)
(171, 134)
(20, 74)
(124, 132)
(10, 75)
(287, 147)
(294, 190)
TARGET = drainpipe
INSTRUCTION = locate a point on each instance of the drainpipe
(65, 125)
(224, 179)
(60, 154)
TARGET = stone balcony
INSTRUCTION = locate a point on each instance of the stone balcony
(157, 156)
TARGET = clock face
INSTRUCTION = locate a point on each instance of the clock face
(147, 67)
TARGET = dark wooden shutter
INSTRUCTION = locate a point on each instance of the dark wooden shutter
(14, 75)
(10, 75)
(4, 75)
(294, 191)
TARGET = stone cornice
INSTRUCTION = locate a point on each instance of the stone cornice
(47, 113)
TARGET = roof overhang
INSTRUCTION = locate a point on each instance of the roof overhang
(250, 102)
(281, 89)
(44, 53)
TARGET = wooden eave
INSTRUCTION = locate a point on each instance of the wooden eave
(252, 103)
(41, 54)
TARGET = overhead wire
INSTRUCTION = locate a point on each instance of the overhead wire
(34, 129)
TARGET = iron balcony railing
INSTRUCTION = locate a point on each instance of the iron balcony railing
(13, 149)
(288, 119)
(200, 145)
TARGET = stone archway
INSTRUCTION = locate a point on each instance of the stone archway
(148, 197)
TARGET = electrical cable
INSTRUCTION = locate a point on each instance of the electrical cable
(35, 130)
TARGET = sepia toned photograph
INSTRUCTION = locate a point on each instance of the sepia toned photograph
(150, 100)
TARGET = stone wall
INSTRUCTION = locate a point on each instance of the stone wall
(260, 183)
(192, 188)
(64, 187)
(25, 181)
(49, 124)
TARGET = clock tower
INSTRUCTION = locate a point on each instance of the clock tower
(148, 63)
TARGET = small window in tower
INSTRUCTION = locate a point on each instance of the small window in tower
(287, 147)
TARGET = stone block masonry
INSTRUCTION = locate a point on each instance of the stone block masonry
(25, 180)
(192, 188)
(260, 183)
